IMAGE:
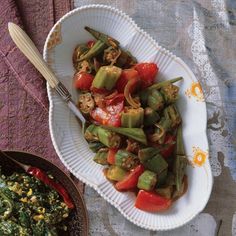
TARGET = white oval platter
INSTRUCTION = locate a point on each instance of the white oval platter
(66, 133)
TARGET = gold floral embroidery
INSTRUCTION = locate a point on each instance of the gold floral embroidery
(195, 91)
(199, 156)
(55, 37)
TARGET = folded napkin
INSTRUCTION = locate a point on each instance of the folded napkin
(23, 96)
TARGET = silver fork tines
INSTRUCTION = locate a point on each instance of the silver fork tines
(63, 92)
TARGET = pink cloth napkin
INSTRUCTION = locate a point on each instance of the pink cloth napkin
(23, 97)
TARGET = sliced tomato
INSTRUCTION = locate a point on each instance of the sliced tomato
(147, 73)
(131, 180)
(105, 118)
(127, 75)
(116, 104)
(83, 80)
(90, 43)
(169, 146)
(100, 115)
(152, 202)
(111, 155)
(115, 120)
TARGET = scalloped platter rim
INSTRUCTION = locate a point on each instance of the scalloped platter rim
(66, 134)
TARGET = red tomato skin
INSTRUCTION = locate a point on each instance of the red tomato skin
(116, 104)
(147, 72)
(115, 120)
(83, 80)
(126, 75)
(104, 118)
(111, 155)
(90, 43)
(151, 202)
(131, 180)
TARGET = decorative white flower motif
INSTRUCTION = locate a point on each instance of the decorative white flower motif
(209, 82)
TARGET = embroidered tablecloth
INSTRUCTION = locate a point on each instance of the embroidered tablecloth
(203, 34)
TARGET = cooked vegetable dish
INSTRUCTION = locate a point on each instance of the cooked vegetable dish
(29, 207)
(133, 124)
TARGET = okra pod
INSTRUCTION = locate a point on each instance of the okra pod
(171, 113)
(147, 180)
(80, 50)
(156, 164)
(147, 153)
(132, 117)
(161, 178)
(106, 77)
(86, 103)
(108, 138)
(170, 179)
(111, 55)
(109, 41)
(165, 192)
(116, 173)
(155, 100)
(84, 66)
(96, 49)
(95, 146)
(178, 193)
(150, 116)
(145, 93)
(125, 58)
(133, 133)
(101, 156)
(181, 160)
(170, 93)
(163, 83)
(91, 133)
(126, 160)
